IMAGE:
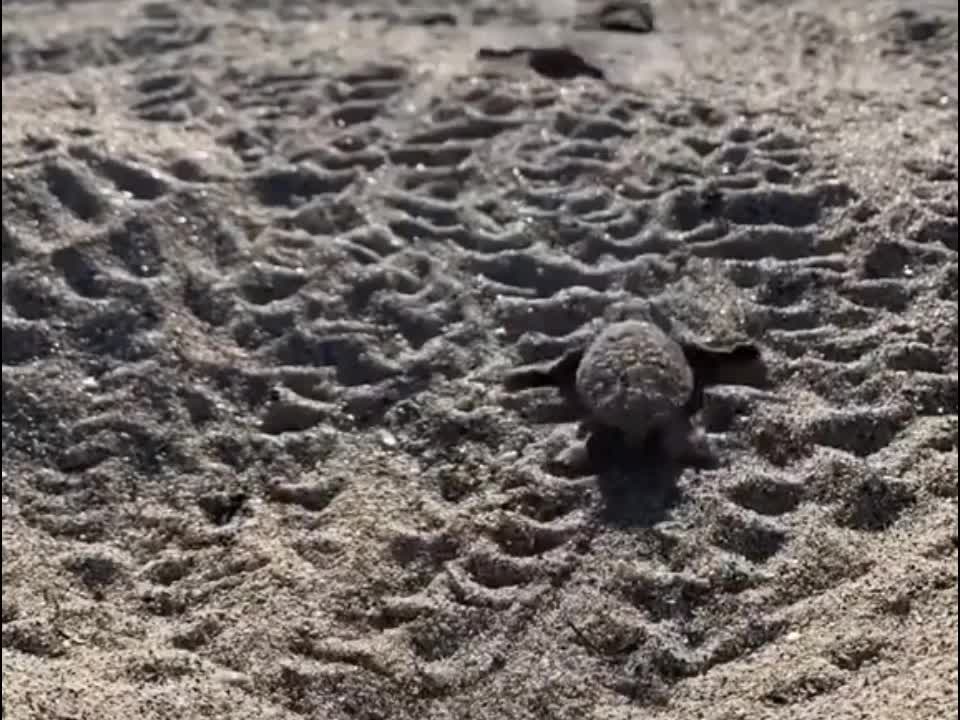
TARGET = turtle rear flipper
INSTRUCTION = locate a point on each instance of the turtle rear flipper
(561, 373)
(600, 450)
(685, 443)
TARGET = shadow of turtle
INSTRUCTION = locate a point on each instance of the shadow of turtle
(638, 486)
(639, 498)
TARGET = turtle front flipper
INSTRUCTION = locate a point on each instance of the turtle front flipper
(561, 373)
(525, 378)
(739, 364)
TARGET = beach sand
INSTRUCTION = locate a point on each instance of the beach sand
(265, 263)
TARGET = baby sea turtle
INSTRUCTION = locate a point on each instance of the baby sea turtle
(637, 386)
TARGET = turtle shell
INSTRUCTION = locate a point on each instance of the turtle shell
(634, 377)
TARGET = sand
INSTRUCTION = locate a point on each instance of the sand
(266, 262)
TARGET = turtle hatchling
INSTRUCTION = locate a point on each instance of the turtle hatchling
(636, 385)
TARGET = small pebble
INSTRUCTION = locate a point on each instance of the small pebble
(388, 439)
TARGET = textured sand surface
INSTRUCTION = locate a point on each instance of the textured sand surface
(265, 263)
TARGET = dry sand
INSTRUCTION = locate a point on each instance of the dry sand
(266, 261)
